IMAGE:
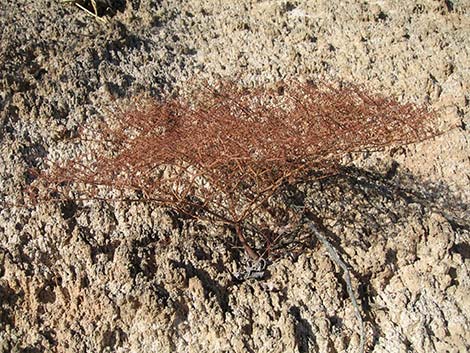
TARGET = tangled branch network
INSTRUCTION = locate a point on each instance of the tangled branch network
(224, 154)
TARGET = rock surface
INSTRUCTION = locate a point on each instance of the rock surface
(99, 277)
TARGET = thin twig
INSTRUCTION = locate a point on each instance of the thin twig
(347, 278)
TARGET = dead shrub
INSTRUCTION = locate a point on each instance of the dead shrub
(226, 153)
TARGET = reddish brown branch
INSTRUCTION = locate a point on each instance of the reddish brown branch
(248, 249)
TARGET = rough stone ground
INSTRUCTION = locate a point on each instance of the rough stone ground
(135, 278)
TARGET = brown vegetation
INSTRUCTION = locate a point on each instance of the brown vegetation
(225, 154)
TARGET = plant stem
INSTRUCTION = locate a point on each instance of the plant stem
(318, 228)
(248, 249)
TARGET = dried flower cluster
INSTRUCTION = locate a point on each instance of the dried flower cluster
(227, 152)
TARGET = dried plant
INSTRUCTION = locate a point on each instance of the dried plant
(228, 151)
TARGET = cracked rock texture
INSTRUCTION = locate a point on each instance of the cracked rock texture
(97, 277)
